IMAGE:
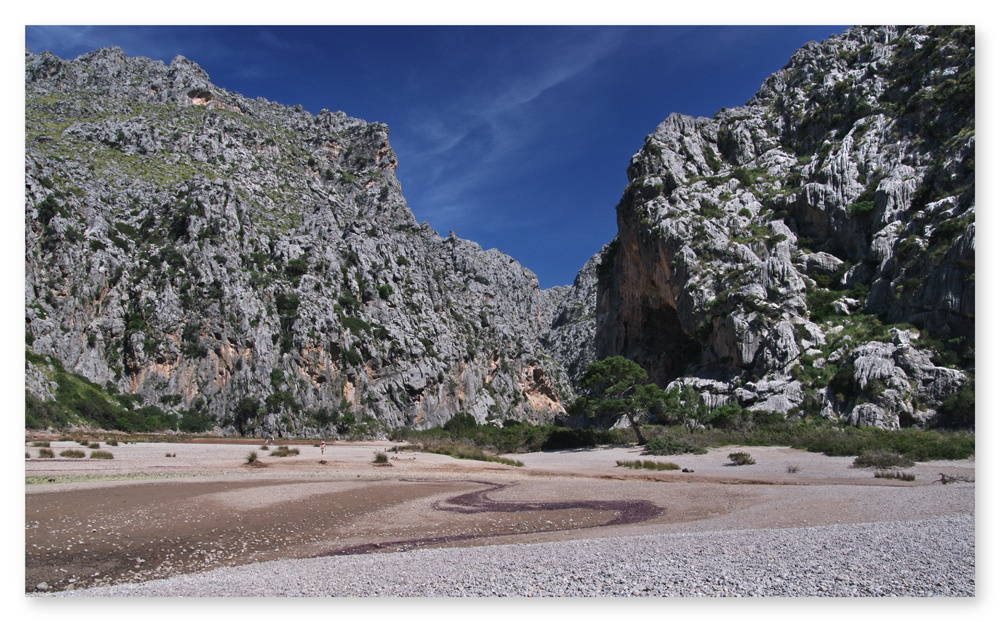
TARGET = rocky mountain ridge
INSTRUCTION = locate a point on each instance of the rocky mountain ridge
(249, 265)
(193, 252)
(812, 252)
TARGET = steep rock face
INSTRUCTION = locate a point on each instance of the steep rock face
(759, 246)
(570, 338)
(256, 263)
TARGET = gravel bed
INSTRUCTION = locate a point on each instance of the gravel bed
(926, 557)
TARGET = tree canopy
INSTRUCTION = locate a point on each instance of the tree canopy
(617, 387)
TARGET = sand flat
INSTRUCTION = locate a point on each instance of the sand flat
(206, 508)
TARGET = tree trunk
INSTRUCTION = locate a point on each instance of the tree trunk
(635, 426)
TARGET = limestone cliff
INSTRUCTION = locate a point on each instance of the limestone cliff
(814, 250)
(570, 338)
(193, 251)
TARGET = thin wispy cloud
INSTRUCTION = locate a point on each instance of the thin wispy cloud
(270, 40)
(549, 67)
(462, 144)
(564, 62)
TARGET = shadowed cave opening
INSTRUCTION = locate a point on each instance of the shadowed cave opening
(660, 344)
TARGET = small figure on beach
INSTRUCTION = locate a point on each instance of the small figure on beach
(270, 440)
(322, 447)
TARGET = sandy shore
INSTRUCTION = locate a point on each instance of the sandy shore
(159, 510)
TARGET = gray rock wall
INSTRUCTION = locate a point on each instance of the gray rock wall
(197, 248)
(759, 246)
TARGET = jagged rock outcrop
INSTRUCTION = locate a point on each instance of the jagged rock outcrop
(762, 253)
(254, 263)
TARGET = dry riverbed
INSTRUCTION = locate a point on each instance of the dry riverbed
(158, 510)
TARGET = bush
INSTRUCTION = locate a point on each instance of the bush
(72, 453)
(882, 459)
(381, 457)
(770, 420)
(101, 455)
(672, 446)
(194, 350)
(94, 446)
(193, 421)
(352, 357)
(41, 444)
(252, 458)
(820, 303)
(287, 304)
(919, 445)
(861, 208)
(39, 415)
(45, 453)
(573, 438)
(648, 464)
(741, 458)
(356, 325)
(149, 418)
(906, 477)
(745, 177)
(958, 410)
(729, 417)
(283, 451)
(460, 422)
(245, 414)
(295, 268)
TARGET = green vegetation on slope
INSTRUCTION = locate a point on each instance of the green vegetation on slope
(79, 401)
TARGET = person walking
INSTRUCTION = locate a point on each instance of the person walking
(322, 447)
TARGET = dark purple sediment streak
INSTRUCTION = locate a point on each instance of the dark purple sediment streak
(627, 511)
(372, 547)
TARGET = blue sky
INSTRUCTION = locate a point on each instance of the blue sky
(515, 137)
